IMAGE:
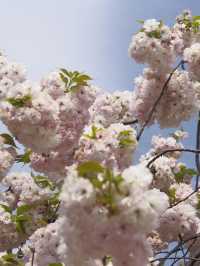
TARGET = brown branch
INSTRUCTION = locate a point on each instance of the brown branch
(158, 100)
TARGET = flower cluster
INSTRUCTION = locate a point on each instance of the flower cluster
(179, 102)
(45, 117)
(28, 203)
(117, 107)
(152, 45)
(112, 146)
(102, 206)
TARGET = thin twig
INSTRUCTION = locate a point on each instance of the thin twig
(196, 257)
(177, 247)
(130, 122)
(182, 248)
(33, 256)
(171, 150)
(184, 199)
(158, 100)
(178, 258)
(197, 155)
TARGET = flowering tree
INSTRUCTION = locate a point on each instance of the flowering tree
(84, 202)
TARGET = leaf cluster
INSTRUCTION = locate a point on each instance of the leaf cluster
(24, 158)
(192, 24)
(43, 181)
(125, 138)
(73, 79)
(184, 171)
(157, 34)
(105, 182)
(11, 259)
(19, 102)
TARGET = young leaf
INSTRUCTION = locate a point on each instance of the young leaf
(43, 182)
(141, 21)
(89, 167)
(73, 80)
(6, 208)
(93, 134)
(183, 172)
(19, 221)
(24, 158)
(172, 195)
(8, 139)
(125, 138)
(23, 208)
(20, 101)
(11, 259)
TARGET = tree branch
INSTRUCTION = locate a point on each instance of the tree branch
(33, 256)
(187, 197)
(158, 100)
(130, 122)
(197, 155)
(171, 150)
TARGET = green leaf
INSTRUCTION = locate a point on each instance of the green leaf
(93, 134)
(21, 217)
(8, 139)
(117, 181)
(172, 195)
(183, 172)
(20, 101)
(125, 138)
(19, 221)
(141, 21)
(23, 208)
(106, 260)
(198, 203)
(54, 200)
(11, 260)
(24, 158)
(43, 182)
(6, 208)
(154, 34)
(89, 167)
(73, 80)
(196, 17)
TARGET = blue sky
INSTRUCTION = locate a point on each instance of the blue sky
(90, 35)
